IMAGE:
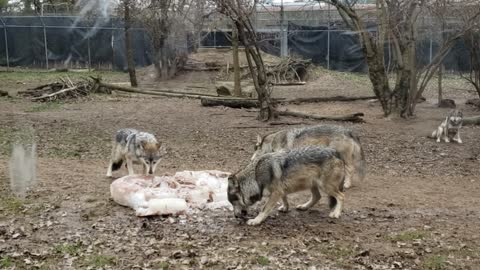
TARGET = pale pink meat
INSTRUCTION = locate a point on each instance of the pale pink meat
(183, 192)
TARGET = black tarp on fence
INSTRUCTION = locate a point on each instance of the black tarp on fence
(69, 41)
(84, 43)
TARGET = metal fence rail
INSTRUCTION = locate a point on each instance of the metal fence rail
(106, 50)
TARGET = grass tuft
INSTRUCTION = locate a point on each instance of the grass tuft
(435, 262)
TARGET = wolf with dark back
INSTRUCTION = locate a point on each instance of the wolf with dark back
(342, 139)
(278, 174)
(133, 146)
(449, 129)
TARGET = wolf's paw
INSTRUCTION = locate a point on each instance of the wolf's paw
(438, 140)
(302, 207)
(108, 175)
(334, 214)
(347, 184)
(447, 140)
(254, 222)
(283, 209)
(459, 141)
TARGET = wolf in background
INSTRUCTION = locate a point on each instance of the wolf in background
(449, 129)
(133, 146)
(281, 173)
(342, 139)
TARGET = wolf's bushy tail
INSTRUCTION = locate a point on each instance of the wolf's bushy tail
(358, 158)
(117, 164)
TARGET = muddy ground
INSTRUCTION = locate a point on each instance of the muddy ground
(418, 207)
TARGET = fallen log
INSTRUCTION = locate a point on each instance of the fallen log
(356, 117)
(177, 92)
(229, 102)
(288, 83)
(165, 93)
(328, 99)
(474, 120)
(474, 102)
(233, 102)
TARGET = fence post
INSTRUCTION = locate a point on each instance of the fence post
(6, 43)
(328, 38)
(215, 37)
(113, 44)
(45, 41)
(89, 54)
(431, 48)
(283, 35)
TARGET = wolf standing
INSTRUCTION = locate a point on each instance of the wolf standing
(131, 145)
(341, 139)
(281, 173)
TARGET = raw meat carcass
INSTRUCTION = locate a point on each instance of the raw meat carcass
(183, 192)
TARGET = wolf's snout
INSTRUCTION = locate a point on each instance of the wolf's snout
(242, 214)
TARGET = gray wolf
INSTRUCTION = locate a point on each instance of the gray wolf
(449, 129)
(133, 146)
(281, 173)
(344, 140)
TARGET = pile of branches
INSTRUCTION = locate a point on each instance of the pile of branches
(63, 89)
(289, 71)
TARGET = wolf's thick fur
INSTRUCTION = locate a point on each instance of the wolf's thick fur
(344, 140)
(133, 146)
(449, 129)
(281, 173)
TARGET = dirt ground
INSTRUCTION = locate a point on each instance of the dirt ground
(418, 207)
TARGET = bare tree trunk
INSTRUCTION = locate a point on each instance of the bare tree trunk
(239, 11)
(128, 45)
(372, 47)
(381, 88)
(440, 78)
(472, 42)
(237, 90)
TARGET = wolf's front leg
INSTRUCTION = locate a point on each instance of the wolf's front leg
(445, 134)
(284, 207)
(109, 171)
(438, 133)
(130, 166)
(267, 208)
(457, 137)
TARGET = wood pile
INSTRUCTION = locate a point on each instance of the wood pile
(63, 89)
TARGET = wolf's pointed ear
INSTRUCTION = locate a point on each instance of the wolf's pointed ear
(143, 144)
(162, 149)
(158, 145)
(259, 139)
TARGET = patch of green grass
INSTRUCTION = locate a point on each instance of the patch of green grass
(262, 260)
(464, 253)
(163, 265)
(11, 205)
(70, 249)
(338, 252)
(43, 107)
(6, 262)
(98, 261)
(18, 133)
(407, 236)
(435, 262)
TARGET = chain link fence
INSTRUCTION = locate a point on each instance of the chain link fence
(315, 32)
